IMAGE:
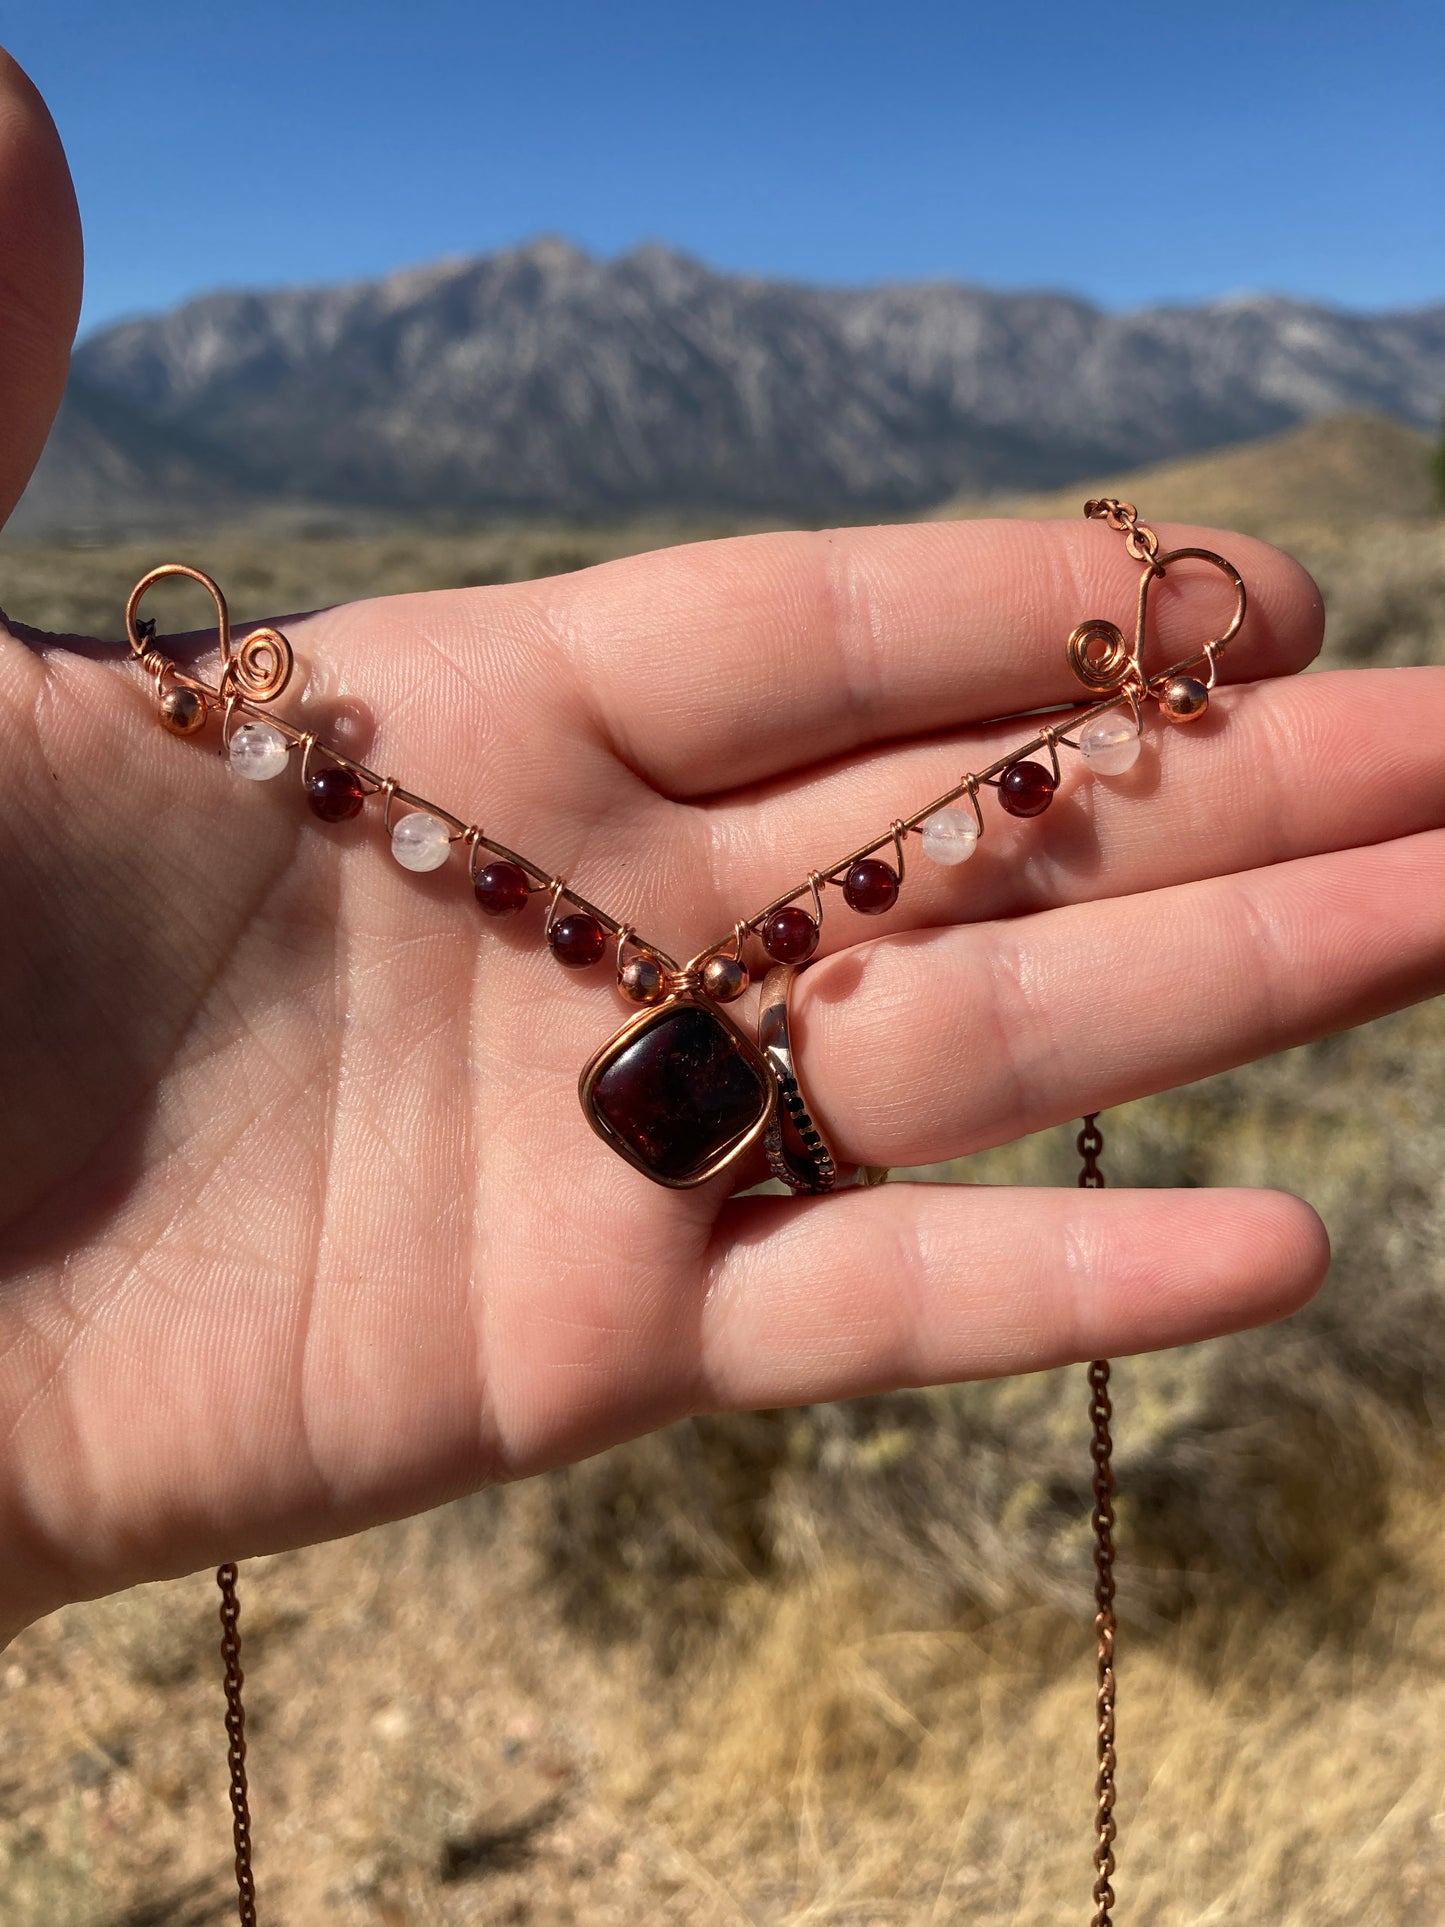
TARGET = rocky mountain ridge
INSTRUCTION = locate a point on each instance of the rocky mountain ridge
(544, 380)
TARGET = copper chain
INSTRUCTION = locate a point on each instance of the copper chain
(236, 1748)
(1143, 545)
(1091, 1178)
(1139, 539)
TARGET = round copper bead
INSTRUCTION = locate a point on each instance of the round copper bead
(790, 935)
(871, 886)
(1026, 789)
(1185, 699)
(724, 978)
(183, 711)
(578, 940)
(642, 980)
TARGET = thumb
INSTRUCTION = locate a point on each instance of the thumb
(40, 277)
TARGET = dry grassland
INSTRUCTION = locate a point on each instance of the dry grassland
(835, 1666)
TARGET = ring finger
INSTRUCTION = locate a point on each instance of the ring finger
(933, 1043)
(1293, 768)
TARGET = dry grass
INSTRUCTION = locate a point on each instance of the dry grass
(878, 1765)
(80, 587)
(835, 1665)
(840, 1750)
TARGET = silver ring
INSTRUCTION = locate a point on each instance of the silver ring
(797, 1151)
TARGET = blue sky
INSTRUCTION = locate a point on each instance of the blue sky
(1131, 153)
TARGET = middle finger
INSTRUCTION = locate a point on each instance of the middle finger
(1276, 770)
(726, 662)
(926, 1046)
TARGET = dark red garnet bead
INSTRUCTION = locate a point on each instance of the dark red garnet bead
(334, 793)
(871, 886)
(501, 888)
(1026, 789)
(578, 940)
(790, 935)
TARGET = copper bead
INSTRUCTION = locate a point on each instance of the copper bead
(1185, 699)
(724, 978)
(641, 980)
(183, 711)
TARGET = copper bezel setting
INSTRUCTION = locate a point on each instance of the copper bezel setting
(651, 1019)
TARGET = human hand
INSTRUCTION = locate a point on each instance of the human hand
(300, 1224)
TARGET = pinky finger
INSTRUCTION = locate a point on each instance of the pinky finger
(924, 1284)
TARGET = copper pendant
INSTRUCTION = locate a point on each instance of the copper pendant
(680, 1092)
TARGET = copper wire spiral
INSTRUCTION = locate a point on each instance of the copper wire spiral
(1098, 654)
(255, 670)
(259, 667)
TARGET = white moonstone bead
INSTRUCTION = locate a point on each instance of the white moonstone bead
(1110, 744)
(950, 836)
(420, 841)
(259, 752)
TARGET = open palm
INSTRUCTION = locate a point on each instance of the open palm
(300, 1223)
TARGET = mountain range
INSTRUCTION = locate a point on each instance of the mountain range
(543, 380)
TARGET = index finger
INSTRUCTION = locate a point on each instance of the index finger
(720, 663)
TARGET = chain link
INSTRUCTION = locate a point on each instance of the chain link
(1090, 1143)
(1101, 1447)
(236, 1748)
(1139, 539)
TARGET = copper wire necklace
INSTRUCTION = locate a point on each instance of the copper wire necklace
(681, 1091)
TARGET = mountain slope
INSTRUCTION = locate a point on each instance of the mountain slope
(1346, 468)
(544, 380)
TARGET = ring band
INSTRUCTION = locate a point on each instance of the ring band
(797, 1151)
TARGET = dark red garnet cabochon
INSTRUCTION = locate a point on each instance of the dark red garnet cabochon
(681, 1092)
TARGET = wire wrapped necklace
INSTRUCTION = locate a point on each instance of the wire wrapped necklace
(681, 1091)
